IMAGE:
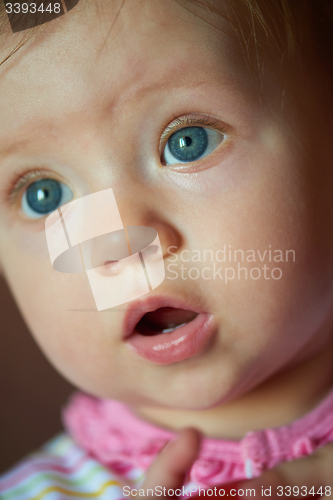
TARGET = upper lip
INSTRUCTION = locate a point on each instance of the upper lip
(137, 309)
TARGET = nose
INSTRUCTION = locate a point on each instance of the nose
(91, 229)
(144, 207)
(106, 252)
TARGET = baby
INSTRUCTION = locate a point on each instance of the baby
(212, 124)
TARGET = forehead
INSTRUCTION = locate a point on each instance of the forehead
(107, 59)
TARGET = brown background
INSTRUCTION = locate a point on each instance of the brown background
(31, 391)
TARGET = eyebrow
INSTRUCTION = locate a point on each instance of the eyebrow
(17, 145)
(46, 128)
(13, 148)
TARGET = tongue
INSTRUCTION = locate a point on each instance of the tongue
(163, 319)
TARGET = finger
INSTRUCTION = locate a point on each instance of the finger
(310, 476)
(172, 464)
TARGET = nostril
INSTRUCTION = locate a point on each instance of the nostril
(111, 267)
(152, 251)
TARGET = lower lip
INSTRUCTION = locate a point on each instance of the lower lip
(184, 342)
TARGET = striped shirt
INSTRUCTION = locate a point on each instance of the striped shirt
(61, 470)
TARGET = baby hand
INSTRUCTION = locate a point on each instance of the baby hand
(173, 462)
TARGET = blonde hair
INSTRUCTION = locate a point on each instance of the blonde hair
(291, 31)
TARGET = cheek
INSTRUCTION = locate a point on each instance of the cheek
(60, 312)
(267, 208)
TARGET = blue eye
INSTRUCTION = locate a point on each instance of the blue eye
(44, 196)
(190, 144)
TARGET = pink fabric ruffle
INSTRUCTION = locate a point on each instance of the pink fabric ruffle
(120, 440)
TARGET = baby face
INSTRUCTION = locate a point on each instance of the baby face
(91, 108)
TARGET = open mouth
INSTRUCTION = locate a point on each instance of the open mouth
(163, 330)
(164, 320)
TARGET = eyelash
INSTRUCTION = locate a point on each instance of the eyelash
(21, 181)
(179, 122)
(10, 194)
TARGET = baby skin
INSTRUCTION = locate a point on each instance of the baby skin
(91, 101)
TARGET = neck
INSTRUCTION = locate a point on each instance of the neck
(282, 399)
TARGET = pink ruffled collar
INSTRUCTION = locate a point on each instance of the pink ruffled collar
(120, 440)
